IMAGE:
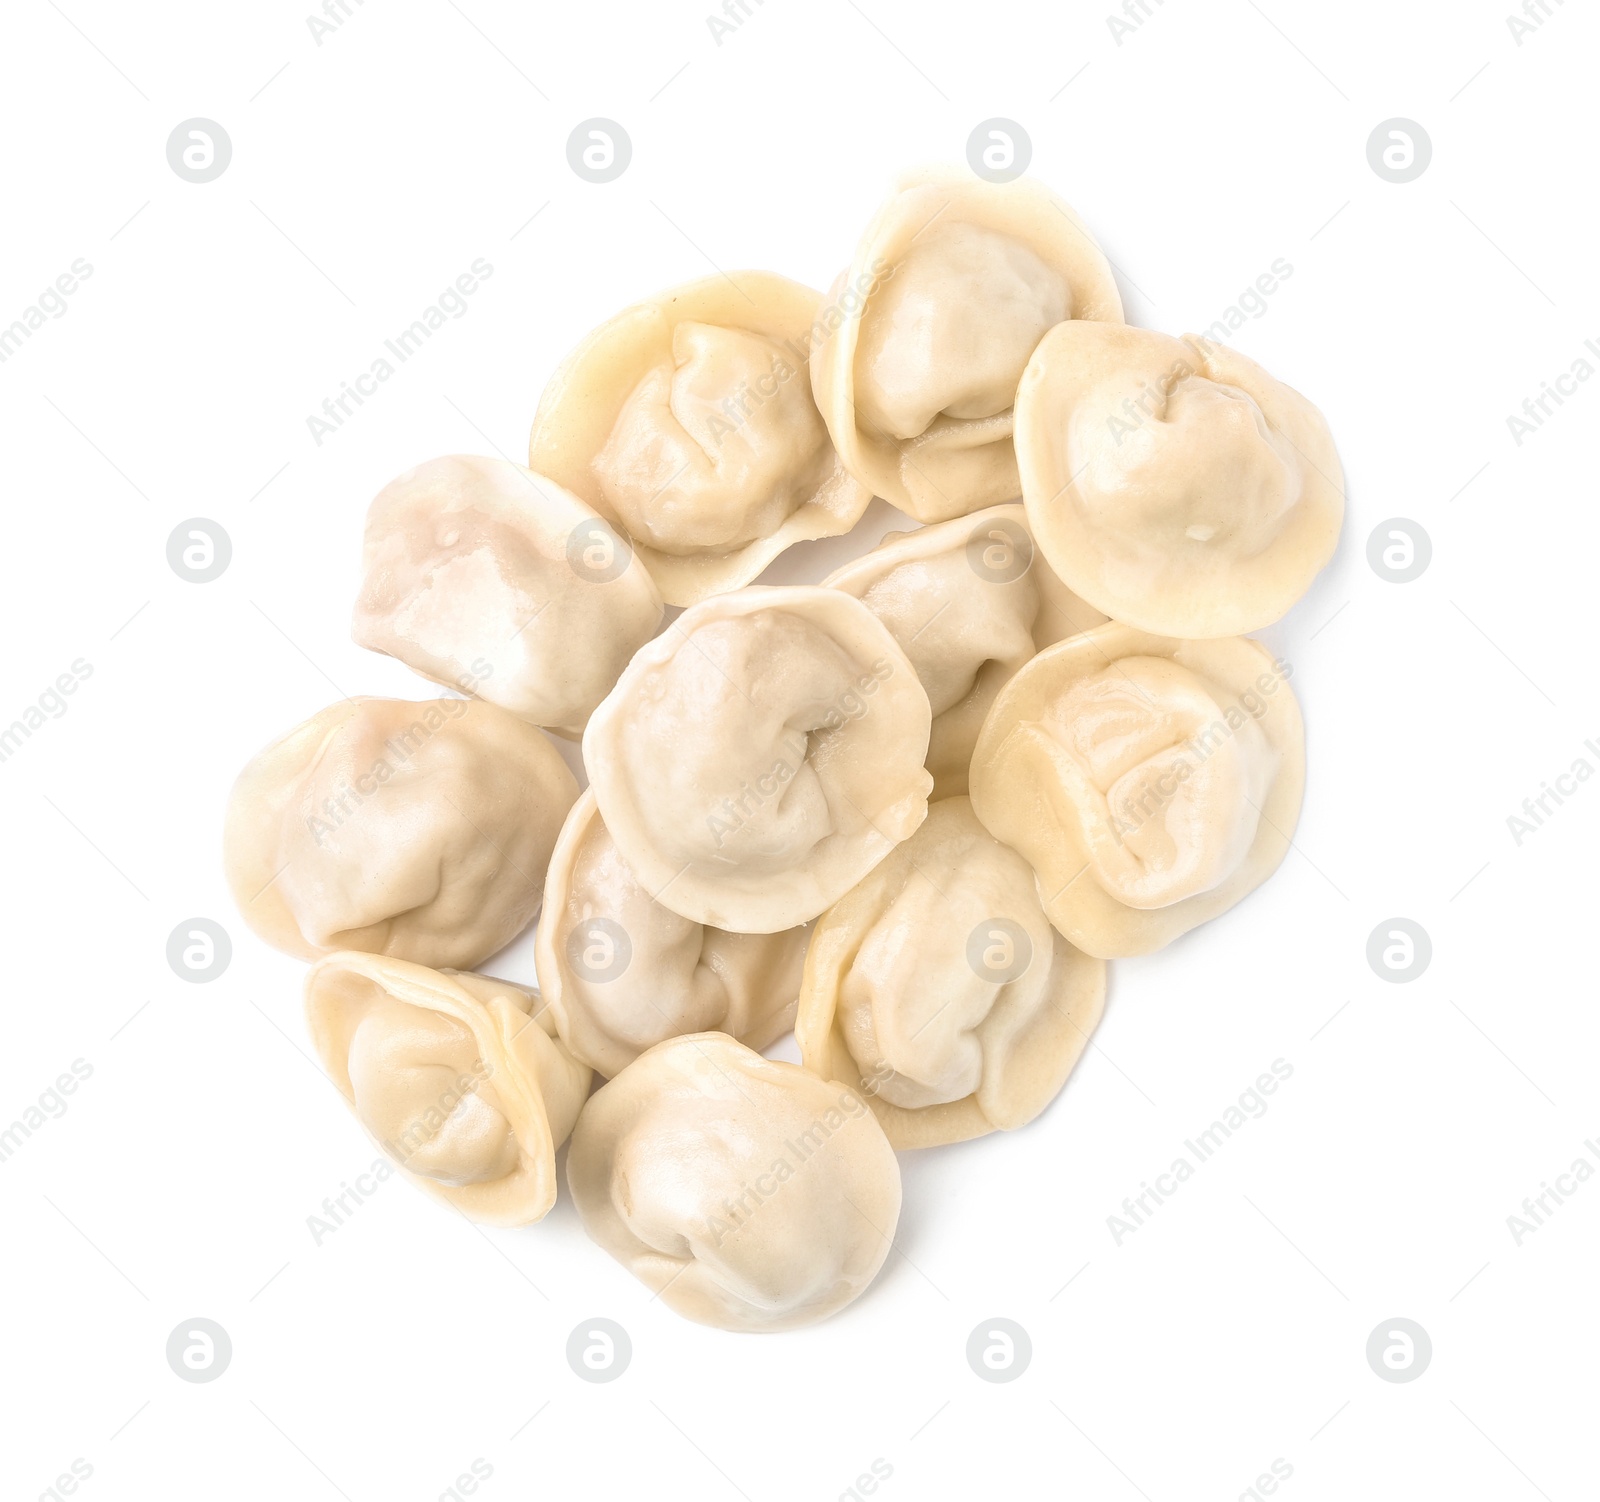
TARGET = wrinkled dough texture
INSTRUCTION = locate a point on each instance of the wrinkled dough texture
(924, 1023)
(1180, 463)
(951, 331)
(466, 597)
(1168, 807)
(418, 830)
(421, 1090)
(716, 448)
(751, 1194)
(680, 976)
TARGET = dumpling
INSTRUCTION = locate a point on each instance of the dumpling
(748, 1194)
(939, 990)
(488, 578)
(1173, 483)
(927, 332)
(1151, 783)
(417, 830)
(688, 421)
(970, 601)
(621, 973)
(459, 1078)
(761, 755)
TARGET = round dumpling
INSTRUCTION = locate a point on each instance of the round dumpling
(761, 755)
(1173, 483)
(929, 328)
(486, 577)
(417, 830)
(970, 601)
(622, 973)
(939, 989)
(749, 1194)
(459, 1079)
(688, 421)
(1151, 783)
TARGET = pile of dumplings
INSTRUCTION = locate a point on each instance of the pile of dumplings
(908, 813)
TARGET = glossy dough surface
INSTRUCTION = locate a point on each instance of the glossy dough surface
(457, 1077)
(938, 988)
(749, 1194)
(760, 756)
(688, 421)
(1173, 483)
(929, 328)
(969, 601)
(477, 574)
(1152, 783)
(418, 830)
(622, 973)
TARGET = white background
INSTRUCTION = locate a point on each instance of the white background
(1229, 1331)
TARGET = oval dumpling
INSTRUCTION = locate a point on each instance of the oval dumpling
(749, 1194)
(459, 1078)
(416, 830)
(940, 991)
(1151, 783)
(970, 601)
(688, 421)
(929, 328)
(486, 577)
(1173, 483)
(761, 755)
(621, 973)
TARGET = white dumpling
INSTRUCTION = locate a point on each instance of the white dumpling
(970, 601)
(621, 973)
(417, 830)
(929, 328)
(688, 420)
(748, 1194)
(486, 577)
(759, 757)
(940, 990)
(457, 1077)
(1152, 783)
(1173, 483)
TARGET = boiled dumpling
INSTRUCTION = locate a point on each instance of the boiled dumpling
(1152, 783)
(748, 1194)
(938, 988)
(970, 601)
(1173, 483)
(621, 973)
(930, 326)
(486, 577)
(688, 421)
(459, 1078)
(761, 755)
(417, 830)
